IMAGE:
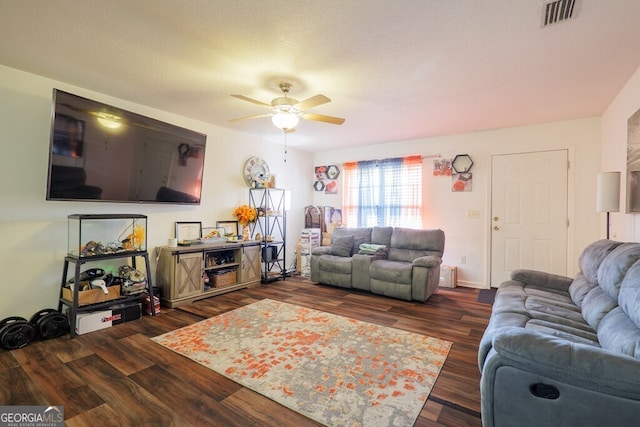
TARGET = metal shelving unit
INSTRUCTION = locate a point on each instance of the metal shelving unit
(270, 227)
(73, 304)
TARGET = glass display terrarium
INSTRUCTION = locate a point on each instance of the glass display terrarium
(104, 235)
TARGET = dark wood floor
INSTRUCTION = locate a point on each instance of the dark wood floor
(119, 377)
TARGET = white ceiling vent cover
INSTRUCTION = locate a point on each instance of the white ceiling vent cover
(555, 11)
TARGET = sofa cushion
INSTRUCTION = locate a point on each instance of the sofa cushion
(381, 236)
(619, 334)
(391, 271)
(593, 255)
(408, 244)
(342, 246)
(629, 297)
(335, 264)
(596, 305)
(364, 233)
(614, 268)
(580, 288)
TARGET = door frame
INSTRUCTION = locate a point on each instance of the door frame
(570, 206)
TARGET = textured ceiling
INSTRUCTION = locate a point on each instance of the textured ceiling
(395, 70)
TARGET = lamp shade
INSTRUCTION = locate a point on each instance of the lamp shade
(285, 120)
(608, 192)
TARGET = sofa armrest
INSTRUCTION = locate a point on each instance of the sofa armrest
(429, 261)
(542, 279)
(360, 270)
(580, 365)
(321, 250)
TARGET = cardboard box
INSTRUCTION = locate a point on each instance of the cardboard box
(309, 239)
(448, 276)
(92, 296)
(116, 314)
(305, 265)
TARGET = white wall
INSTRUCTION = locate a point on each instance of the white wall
(470, 237)
(34, 231)
(624, 227)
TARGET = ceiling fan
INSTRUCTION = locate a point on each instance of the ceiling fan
(285, 112)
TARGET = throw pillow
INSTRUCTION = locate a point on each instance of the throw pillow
(342, 246)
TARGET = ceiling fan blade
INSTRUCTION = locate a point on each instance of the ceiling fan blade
(253, 101)
(257, 116)
(322, 118)
(314, 101)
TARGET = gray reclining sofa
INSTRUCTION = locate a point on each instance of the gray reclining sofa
(563, 352)
(406, 264)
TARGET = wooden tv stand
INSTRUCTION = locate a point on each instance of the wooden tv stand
(189, 273)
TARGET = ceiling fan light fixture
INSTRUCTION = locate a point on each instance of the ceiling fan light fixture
(285, 119)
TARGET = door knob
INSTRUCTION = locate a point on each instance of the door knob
(495, 218)
(496, 228)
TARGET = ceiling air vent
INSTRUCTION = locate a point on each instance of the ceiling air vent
(555, 11)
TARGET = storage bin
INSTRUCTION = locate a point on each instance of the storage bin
(92, 296)
(221, 279)
(269, 253)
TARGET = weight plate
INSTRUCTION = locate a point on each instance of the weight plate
(16, 333)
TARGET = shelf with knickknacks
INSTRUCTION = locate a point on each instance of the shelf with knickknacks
(104, 238)
(271, 205)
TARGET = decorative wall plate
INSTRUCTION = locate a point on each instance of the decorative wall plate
(332, 171)
(318, 185)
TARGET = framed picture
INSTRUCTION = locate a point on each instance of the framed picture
(188, 231)
(231, 227)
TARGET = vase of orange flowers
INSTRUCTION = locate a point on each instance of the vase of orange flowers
(245, 215)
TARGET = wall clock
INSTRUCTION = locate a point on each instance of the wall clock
(255, 170)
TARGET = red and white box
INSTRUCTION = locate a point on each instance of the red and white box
(146, 307)
(96, 320)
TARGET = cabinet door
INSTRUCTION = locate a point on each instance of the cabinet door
(250, 270)
(188, 275)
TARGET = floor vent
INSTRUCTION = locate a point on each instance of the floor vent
(555, 11)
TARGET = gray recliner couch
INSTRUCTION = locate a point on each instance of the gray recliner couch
(566, 352)
(406, 264)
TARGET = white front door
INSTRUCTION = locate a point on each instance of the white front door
(529, 219)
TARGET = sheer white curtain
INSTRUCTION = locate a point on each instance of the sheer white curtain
(384, 192)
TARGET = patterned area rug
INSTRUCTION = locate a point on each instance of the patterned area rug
(335, 370)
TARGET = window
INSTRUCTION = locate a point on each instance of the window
(383, 192)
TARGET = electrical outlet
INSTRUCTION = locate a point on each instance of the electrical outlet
(463, 259)
(473, 214)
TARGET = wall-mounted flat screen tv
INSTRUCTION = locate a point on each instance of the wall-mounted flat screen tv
(99, 152)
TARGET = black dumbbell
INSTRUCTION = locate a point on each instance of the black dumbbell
(16, 332)
(50, 323)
